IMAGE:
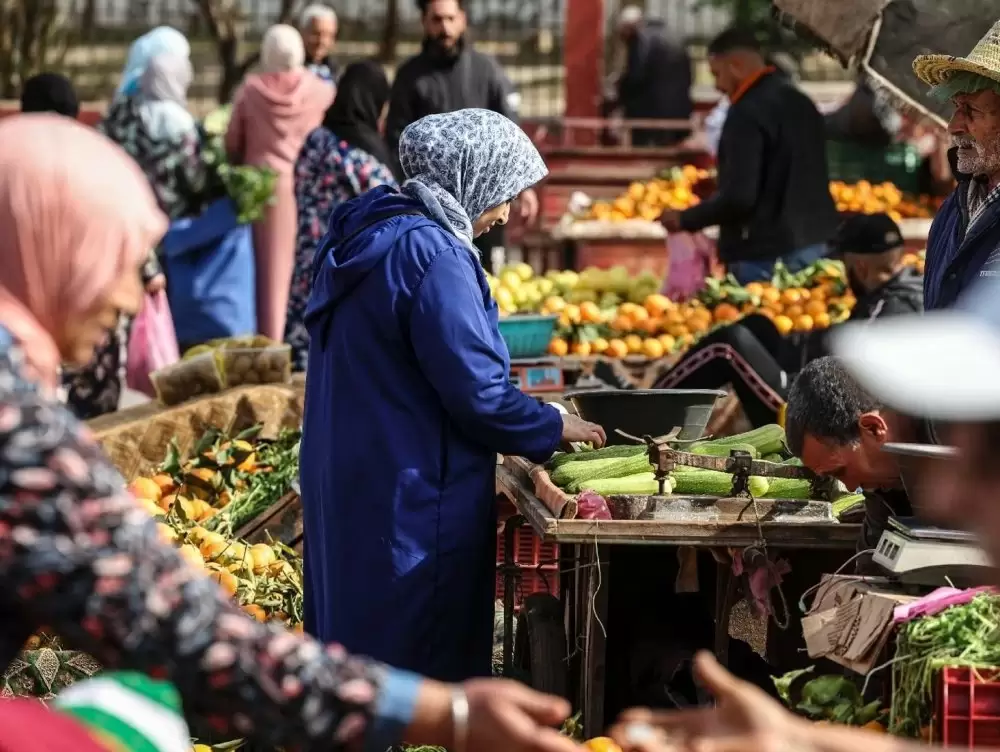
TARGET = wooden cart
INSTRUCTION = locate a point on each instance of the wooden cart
(584, 581)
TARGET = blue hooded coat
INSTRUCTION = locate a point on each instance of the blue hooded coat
(408, 403)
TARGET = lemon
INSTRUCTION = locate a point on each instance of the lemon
(511, 280)
(524, 271)
(505, 297)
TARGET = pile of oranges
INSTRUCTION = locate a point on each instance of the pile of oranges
(649, 200)
(882, 198)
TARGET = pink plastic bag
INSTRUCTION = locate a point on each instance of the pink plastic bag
(689, 263)
(152, 343)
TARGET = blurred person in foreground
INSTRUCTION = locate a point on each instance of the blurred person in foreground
(773, 197)
(940, 367)
(341, 159)
(50, 92)
(81, 557)
(273, 113)
(449, 74)
(656, 82)
(318, 26)
(408, 403)
(964, 241)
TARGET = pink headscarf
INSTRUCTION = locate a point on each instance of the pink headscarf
(75, 214)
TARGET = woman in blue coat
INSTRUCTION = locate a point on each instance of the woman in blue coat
(408, 403)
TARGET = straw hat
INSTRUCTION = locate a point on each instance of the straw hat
(984, 61)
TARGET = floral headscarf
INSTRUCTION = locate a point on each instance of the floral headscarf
(462, 163)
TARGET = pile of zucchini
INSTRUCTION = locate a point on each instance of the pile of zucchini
(622, 470)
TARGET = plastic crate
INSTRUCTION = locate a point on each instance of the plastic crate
(898, 164)
(539, 562)
(968, 712)
(527, 336)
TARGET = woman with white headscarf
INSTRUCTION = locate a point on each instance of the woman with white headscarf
(409, 401)
(273, 113)
(162, 39)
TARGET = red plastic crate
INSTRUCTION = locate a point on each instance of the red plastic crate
(968, 714)
(539, 561)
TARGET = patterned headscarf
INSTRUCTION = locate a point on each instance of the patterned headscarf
(461, 164)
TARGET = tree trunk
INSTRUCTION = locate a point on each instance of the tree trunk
(390, 33)
(32, 37)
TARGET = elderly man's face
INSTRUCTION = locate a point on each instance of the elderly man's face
(975, 130)
(318, 37)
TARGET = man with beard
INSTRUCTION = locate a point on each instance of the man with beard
(448, 74)
(964, 242)
(318, 26)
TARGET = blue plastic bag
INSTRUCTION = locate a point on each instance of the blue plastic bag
(209, 263)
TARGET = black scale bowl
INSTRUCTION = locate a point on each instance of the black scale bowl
(647, 412)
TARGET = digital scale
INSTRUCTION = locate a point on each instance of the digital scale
(537, 376)
(918, 554)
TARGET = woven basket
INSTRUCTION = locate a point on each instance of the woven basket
(136, 439)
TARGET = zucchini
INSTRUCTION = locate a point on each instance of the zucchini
(713, 483)
(572, 474)
(846, 504)
(768, 439)
(795, 461)
(789, 488)
(640, 484)
(715, 450)
(611, 452)
(774, 457)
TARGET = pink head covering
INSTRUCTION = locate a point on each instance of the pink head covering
(75, 214)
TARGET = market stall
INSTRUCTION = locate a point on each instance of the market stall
(728, 523)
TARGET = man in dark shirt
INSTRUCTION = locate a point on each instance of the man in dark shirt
(656, 81)
(448, 74)
(773, 199)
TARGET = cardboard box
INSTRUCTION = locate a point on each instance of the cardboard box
(850, 620)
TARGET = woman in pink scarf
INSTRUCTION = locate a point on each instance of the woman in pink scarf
(272, 115)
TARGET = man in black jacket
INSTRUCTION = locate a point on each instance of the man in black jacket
(656, 81)
(773, 199)
(447, 75)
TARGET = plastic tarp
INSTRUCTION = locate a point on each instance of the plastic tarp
(909, 28)
(841, 27)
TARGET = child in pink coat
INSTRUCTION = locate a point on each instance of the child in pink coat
(273, 113)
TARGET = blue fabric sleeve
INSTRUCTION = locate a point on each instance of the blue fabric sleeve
(394, 709)
(454, 337)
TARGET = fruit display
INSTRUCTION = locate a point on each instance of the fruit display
(251, 188)
(679, 189)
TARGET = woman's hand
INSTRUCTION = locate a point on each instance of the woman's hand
(504, 716)
(745, 719)
(577, 429)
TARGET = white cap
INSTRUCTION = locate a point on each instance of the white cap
(943, 365)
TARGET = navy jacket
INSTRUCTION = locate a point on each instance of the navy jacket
(957, 258)
(408, 402)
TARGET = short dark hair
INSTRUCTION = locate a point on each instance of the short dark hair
(827, 402)
(734, 40)
(423, 4)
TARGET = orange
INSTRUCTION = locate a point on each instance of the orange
(554, 304)
(601, 744)
(145, 488)
(678, 331)
(572, 313)
(804, 323)
(821, 320)
(634, 343)
(656, 305)
(748, 307)
(771, 295)
(255, 611)
(558, 347)
(580, 348)
(590, 313)
(769, 312)
(639, 314)
(794, 311)
(791, 296)
(651, 325)
(668, 342)
(815, 307)
(616, 348)
(622, 323)
(598, 345)
(190, 554)
(755, 288)
(652, 348)
(165, 482)
(726, 312)
(783, 324)
(229, 582)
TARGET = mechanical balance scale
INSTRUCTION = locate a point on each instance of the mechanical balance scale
(917, 554)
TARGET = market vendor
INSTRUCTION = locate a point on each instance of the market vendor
(753, 357)
(964, 241)
(773, 199)
(408, 403)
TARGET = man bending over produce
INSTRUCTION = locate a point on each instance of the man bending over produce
(838, 429)
(958, 386)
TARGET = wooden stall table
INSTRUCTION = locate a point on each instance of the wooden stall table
(584, 584)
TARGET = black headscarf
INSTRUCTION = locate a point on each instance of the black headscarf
(362, 92)
(50, 92)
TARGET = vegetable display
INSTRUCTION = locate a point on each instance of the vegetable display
(251, 188)
(832, 699)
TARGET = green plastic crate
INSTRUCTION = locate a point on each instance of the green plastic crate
(898, 164)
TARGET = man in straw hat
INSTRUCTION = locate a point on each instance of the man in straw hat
(964, 243)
